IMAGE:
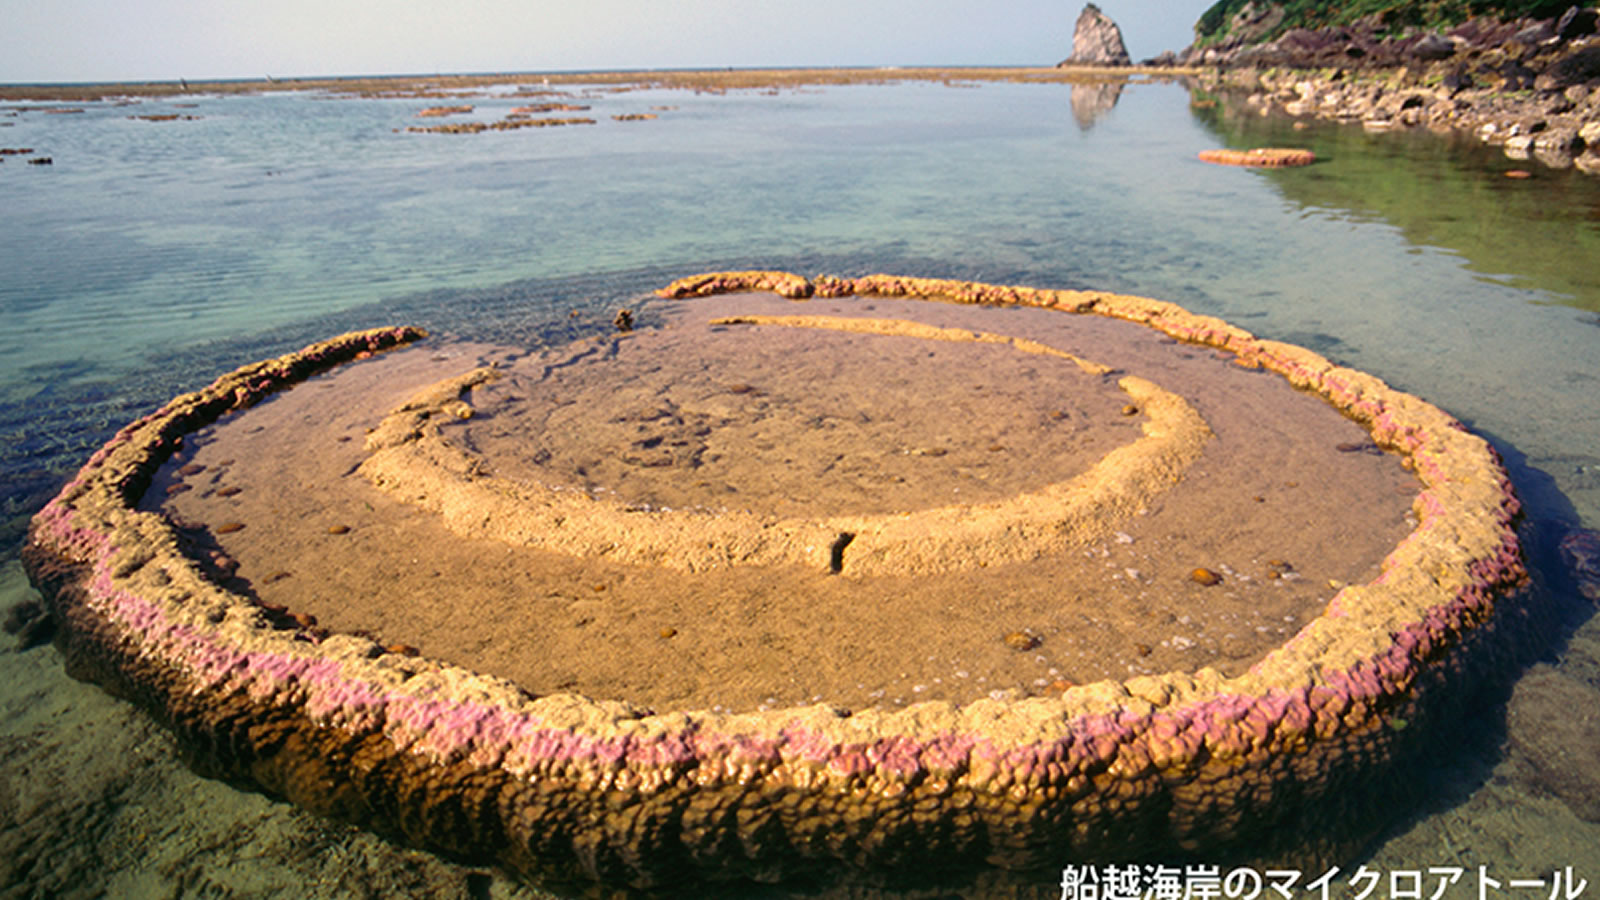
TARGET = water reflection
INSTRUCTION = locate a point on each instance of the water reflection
(1441, 191)
(1092, 100)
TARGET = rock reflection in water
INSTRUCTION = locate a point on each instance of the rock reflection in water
(1092, 100)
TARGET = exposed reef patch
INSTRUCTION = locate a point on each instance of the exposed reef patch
(1293, 757)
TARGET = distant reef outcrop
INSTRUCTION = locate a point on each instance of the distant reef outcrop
(1096, 41)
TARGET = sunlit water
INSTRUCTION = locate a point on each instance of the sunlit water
(154, 255)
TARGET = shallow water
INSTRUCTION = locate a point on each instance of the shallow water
(154, 255)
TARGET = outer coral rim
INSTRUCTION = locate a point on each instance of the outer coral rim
(1008, 768)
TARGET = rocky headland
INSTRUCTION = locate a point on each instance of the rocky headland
(1529, 85)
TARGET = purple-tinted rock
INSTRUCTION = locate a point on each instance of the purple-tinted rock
(1537, 33)
(1433, 47)
(1580, 550)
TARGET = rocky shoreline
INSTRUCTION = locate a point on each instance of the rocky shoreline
(1531, 87)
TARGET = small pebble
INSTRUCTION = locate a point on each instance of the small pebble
(230, 527)
(275, 576)
(176, 489)
(1061, 684)
(1205, 577)
(338, 529)
(191, 469)
(1021, 640)
(1130, 410)
(741, 389)
(1143, 649)
(669, 631)
(304, 620)
(1518, 173)
(228, 491)
(402, 649)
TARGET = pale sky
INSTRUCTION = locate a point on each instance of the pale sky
(136, 40)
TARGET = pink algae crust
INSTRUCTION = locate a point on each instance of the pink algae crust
(1192, 758)
(1263, 157)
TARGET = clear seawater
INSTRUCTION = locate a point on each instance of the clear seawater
(152, 256)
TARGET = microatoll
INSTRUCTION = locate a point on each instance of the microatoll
(1287, 760)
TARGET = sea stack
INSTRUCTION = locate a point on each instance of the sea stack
(1097, 41)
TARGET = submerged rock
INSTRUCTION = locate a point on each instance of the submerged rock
(1097, 41)
(1580, 550)
(1557, 731)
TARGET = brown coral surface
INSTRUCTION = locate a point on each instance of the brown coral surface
(1267, 157)
(1290, 756)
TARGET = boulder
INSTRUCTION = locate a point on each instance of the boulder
(1097, 41)
(1574, 68)
(1576, 22)
(1534, 34)
(1433, 47)
(1516, 77)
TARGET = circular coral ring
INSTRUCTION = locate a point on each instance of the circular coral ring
(1261, 157)
(1291, 761)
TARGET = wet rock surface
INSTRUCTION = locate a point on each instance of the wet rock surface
(1580, 552)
